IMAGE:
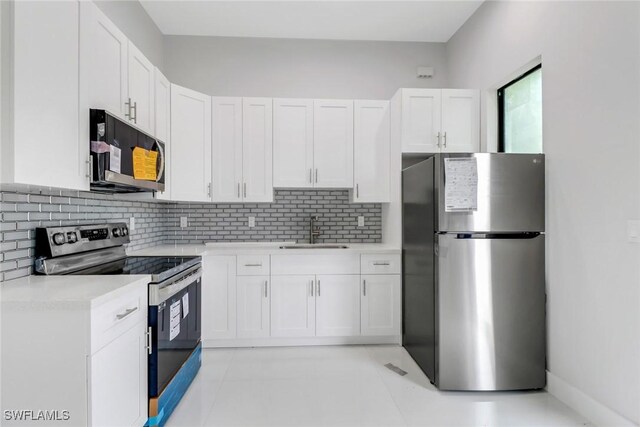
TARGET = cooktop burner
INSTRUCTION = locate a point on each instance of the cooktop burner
(157, 266)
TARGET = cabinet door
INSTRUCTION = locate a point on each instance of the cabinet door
(257, 150)
(46, 147)
(103, 61)
(218, 297)
(371, 151)
(118, 381)
(337, 305)
(227, 149)
(190, 145)
(460, 121)
(421, 115)
(333, 143)
(162, 113)
(293, 306)
(253, 306)
(293, 143)
(141, 90)
(380, 305)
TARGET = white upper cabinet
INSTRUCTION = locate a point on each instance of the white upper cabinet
(333, 143)
(460, 120)
(43, 112)
(421, 117)
(190, 145)
(141, 87)
(371, 152)
(227, 149)
(162, 113)
(257, 150)
(242, 149)
(293, 143)
(439, 120)
(104, 62)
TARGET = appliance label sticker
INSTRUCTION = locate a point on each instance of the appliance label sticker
(114, 158)
(185, 305)
(460, 184)
(174, 323)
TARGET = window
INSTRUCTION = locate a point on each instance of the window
(520, 114)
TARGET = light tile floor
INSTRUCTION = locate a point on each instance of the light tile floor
(345, 386)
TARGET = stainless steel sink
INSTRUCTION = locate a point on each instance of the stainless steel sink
(314, 246)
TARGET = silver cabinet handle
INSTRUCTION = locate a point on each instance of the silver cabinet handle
(316, 175)
(364, 287)
(444, 139)
(253, 265)
(380, 263)
(209, 190)
(127, 104)
(438, 143)
(318, 287)
(311, 283)
(238, 190)
(310, 176)
(357, 191)
(266, 288)
(149, 340)
(244, 192)
(126, 313)
(135, 110)
(90, 167)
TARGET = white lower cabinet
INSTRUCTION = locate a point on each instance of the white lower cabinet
(337, 305)
(253, 306)
(218, 297)
(118, 381)
(380, 310)
(293, 306)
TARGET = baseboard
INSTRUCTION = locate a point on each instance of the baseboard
(287, 342)
(585, 405)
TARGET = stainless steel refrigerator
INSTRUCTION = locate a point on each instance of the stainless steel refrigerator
(474, 270)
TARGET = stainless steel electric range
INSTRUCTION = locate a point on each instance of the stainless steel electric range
(174, 290)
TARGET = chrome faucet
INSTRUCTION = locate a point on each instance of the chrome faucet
(314, 232)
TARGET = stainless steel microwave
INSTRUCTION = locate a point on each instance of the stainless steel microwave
(124, 159)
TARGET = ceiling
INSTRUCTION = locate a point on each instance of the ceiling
(424, 21)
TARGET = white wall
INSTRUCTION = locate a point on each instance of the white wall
(591, 114)
(131, 18)
(229, 66)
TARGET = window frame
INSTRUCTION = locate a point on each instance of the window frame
(501, 104)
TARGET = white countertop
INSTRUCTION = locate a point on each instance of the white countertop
(272, 248)
(81, 291)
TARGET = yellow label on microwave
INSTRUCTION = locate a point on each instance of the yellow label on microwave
(145, 164)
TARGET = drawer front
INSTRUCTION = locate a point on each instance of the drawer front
(114, 318)
(315, 264)
(381, 264)
(253, 265)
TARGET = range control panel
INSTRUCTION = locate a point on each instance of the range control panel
(52, 242)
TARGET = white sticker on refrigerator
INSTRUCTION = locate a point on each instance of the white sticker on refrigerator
(460, 184)
(115, 155)
(185, 305)
(174, 322)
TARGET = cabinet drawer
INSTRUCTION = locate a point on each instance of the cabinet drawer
(253, 265)
(113, 318)
(381, 264)
(348, 263)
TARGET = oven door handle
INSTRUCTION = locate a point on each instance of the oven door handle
(158, 294)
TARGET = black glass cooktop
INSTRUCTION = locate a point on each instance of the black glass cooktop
(154, 265)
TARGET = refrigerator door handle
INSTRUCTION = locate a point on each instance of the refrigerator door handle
(526, 235)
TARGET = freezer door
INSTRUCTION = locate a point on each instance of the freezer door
(491, 312)
(510, 194)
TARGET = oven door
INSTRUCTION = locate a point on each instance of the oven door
(174, 319)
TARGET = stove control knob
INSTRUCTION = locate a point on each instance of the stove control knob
(59, 239)
(72, 237)
(116, 232)
(125, 231)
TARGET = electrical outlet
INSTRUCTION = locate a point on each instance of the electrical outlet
(360, 221)
(252, 221)
(132, 224)
(183, 222)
